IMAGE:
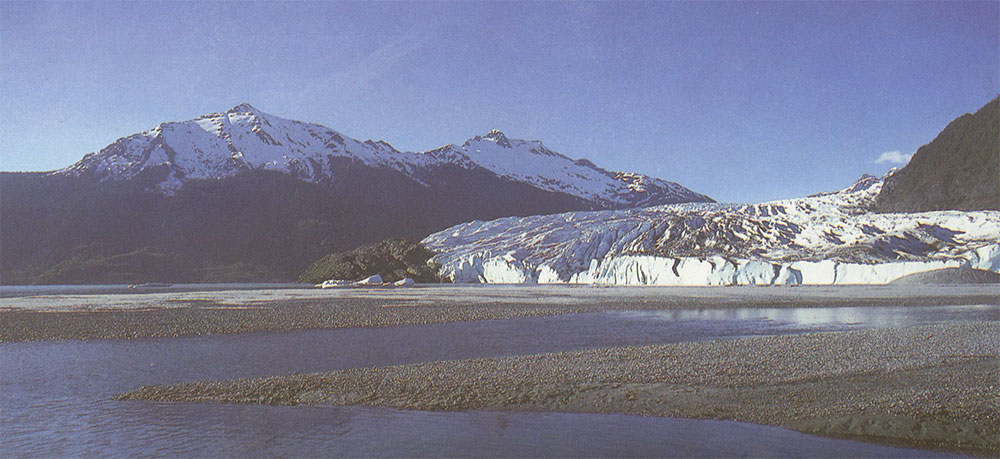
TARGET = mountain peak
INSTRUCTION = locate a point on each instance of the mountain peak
(497, 136)
(244, 108)
(221, 145)
(865, 182)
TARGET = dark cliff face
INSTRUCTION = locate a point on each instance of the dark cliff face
(958, 170)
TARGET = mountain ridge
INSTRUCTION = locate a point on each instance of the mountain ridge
(241, 195)
(222, 144)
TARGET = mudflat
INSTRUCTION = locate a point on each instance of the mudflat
(933, 386)
(124, 316)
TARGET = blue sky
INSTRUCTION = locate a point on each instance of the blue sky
(741, 101)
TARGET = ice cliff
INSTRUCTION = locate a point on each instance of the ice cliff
(831, 238)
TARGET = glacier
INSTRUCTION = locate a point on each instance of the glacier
(826, 239)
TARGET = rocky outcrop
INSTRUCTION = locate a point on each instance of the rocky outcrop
(963, 275)
(392, 260)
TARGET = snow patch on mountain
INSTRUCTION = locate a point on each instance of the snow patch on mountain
(831, 238)
(223, 144)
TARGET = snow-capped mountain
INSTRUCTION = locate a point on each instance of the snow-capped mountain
(821, 239)
(243, 138)
(243, 195)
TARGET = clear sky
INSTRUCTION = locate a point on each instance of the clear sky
(741, 101)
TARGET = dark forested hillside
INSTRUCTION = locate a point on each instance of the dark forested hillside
(254, 226)
(960, 169)
(243, 195)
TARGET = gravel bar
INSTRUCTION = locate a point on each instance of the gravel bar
(110, 316)
(935, 386)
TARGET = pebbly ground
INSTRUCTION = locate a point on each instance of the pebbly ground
(934, 386)
(124, 316)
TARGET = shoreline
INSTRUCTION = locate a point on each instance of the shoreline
(931, 386)
(157, 315)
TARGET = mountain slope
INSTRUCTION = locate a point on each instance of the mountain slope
(257, 225)
(827, 238)
(245, 196)
(243, 138)
(959, 169)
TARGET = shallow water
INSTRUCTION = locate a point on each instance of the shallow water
(13, 291)
(56, 396)
(105, 297)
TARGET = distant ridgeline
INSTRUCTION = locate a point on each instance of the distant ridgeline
(246, 196)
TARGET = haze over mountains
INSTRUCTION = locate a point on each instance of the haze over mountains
(243, 195)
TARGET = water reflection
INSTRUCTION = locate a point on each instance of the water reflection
(834, 318)
(12, 291)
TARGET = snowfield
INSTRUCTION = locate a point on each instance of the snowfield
(832, 238)
(221, 145)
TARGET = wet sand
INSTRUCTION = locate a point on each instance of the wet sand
(124, 316)
(935, 386)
